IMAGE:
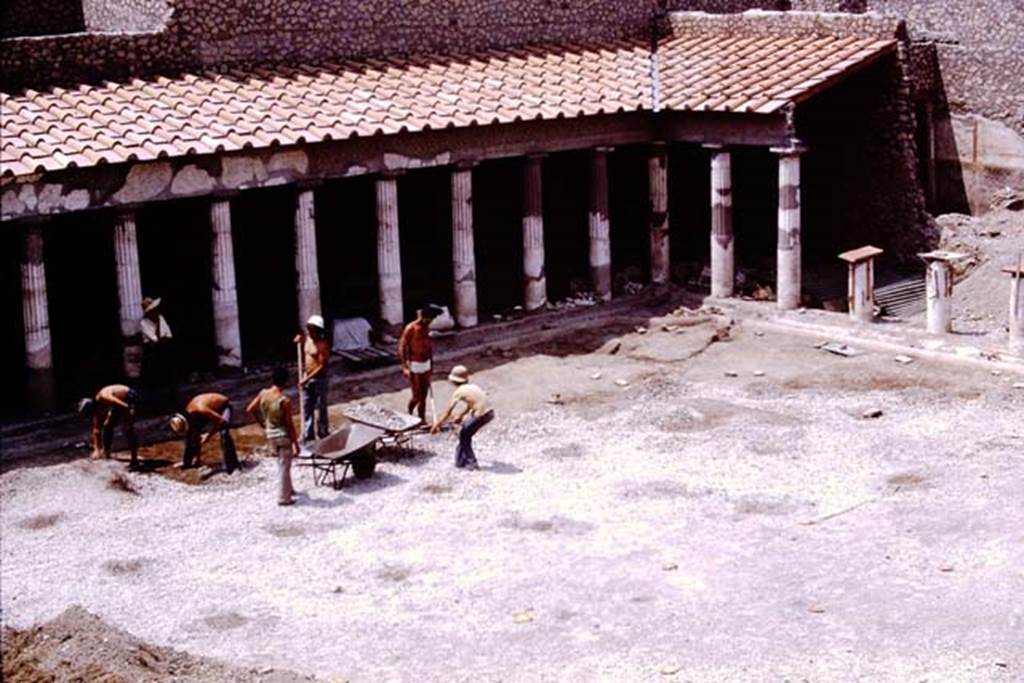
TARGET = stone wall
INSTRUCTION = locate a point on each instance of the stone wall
(126, 16)
(214, 33)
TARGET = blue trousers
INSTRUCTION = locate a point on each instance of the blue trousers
(464, 456)
(314, 399)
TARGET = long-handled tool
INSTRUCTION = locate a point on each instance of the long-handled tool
(433, 405)
(302, 371)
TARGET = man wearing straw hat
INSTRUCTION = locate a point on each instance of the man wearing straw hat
(157, 361)
(477, 408)
(313, 378)
(206, 415)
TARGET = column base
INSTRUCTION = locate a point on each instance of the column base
(42, 392)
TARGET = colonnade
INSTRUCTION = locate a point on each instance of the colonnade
(224, 294)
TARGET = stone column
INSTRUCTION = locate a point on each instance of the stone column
(38, 350)
(129, 292)
(389, 259)
(535, 295)
(723, 267)
(227, 334)
(1016, 308)
(600, 239)
(788, 265)
(305, 256)
(657, 175)
(939, 279)
(463, 257)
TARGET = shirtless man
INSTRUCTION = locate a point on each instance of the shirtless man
(113, 405)
(316, 354)
(205, 415)
(416, 355)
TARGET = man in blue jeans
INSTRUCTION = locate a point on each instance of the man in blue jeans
(477, 409)
(316, 353)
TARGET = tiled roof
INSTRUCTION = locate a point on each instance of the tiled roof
(212, 112)
(755, 73)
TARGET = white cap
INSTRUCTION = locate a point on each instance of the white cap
(316, 321)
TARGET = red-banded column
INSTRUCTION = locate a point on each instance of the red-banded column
(723, 266)
(788, 265)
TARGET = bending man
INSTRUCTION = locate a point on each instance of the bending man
(205, 415)
(416, 355)
(477, 407)
(113, 405)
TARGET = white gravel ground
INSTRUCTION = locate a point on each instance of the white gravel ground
(679, 528)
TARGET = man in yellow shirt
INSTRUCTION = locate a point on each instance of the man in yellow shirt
(477, 407)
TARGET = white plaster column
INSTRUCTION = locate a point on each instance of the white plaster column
(308, 276)
(463, 256)
(599, 226)
(34, 304)
(939, 280)
(389, 259)
(227, 333)
(129, 292)
(535, 295)
(657, 176)
(788, 268)
(1016, 308)
(38, 353)
(723, 266)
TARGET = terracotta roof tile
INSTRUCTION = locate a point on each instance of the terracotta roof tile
(203, 113)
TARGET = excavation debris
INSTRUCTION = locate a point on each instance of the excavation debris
(79, 646)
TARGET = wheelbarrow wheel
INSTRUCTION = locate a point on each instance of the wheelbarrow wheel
(364, 465)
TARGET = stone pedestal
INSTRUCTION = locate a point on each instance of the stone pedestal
(535, 294)
(389, 259)
(463, 257)
(788, 253)
(861, 282)
(723, 267)
(657, 175)
(1016, 308)
(129, 292)
(36, 316)
(308, 276)
(226, 331)
(939, 281)
(599, 226)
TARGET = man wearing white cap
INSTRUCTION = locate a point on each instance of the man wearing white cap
(313, 379)
(477, 408)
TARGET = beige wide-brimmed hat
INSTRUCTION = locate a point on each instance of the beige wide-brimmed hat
(179, 423)
(150, 304)
(459, 375)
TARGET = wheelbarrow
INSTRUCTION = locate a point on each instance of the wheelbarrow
(351, 447)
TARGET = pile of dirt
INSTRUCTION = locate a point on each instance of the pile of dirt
(79, 646)
(992, 241)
